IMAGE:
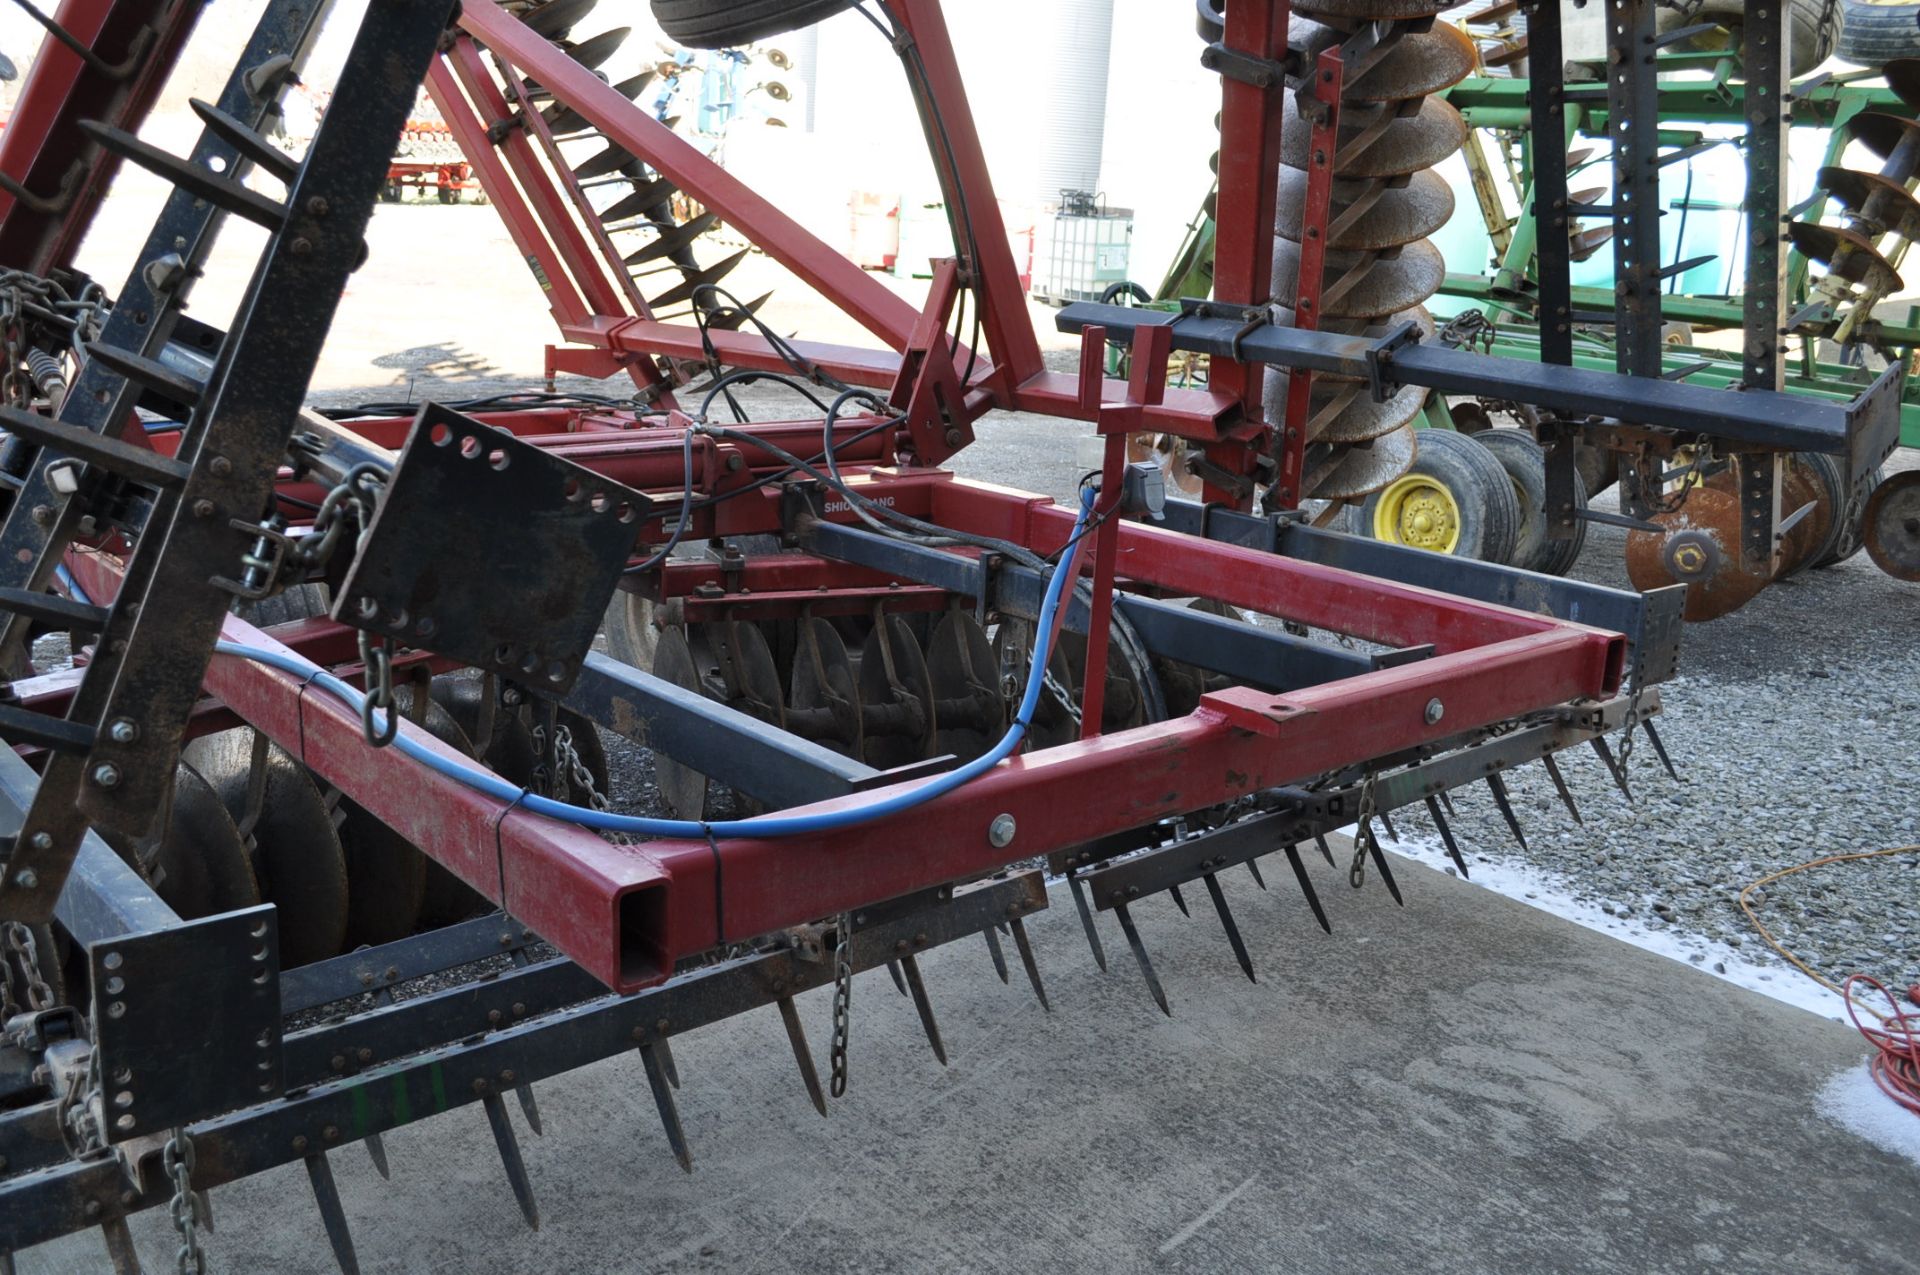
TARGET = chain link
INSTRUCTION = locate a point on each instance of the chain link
(26, 954)
(177, 1158)
(1362, 834)
(842, 1000)
(570, 775)
(376, 652)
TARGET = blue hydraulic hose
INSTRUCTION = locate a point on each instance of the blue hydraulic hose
(761, 825)
(73, 588)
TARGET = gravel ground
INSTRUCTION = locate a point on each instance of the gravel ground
(1795, 724)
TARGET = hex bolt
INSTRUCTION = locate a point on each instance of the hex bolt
(123, 730)
(317, 206)
(365, 1055)
(338, 1062)
(42, 841)
(203, 508)
(1000, 831)
(106, 774)
(43, 514)
(301, 246)
(26, 878)
(300, 1144)
(1435, 711)
(331, 1133)
(220, 467)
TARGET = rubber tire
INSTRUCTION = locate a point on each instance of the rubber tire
(295, 602)
(1526, 467)
(1811, 44)
(1489, 512)
(1873, 35)
(725, 24)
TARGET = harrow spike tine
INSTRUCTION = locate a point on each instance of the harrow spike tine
(923, 1006)
(1326, 851)
(509, 1145)
(1660, 750)
(1086, 921)
(1599, 746)
(698, 279)
(1446, 799)
(222, 192)
(667, 1064)
(1386, 821)
(1446, 838)
(1306, 887)
(663, 1099)
(1179, 901)
(1140, 955)
(999, 956)
(1498, 787)
(1386, 873)
(120, 1249)
(1560, 786)
(1234, 940)
(899, 983)
(249, 142)
(377, 1152)
(530, 1109)
(1025, 947)
(611, 160)
(1253, 866)
(332, 1215)
(802, 1055)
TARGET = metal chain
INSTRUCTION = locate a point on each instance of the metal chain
(842, 1000)
(376, 652)
(570, 775)
(26, 952)
(1362, 834)
(177, 1158)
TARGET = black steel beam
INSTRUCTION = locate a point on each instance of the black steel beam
(1650, 621)
(1256, 656)
(1867, 427)
(1547, 108)
(722, 743)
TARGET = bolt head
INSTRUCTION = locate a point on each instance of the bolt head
(1000, 831)
(203, 508)
(43, 514)
(1435, 711)
(123, 731)
(26, 878)
(220, 466)
(42, 841)
(106, 774)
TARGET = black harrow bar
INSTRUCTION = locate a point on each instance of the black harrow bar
(185, 568)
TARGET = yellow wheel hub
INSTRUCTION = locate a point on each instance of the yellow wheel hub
(1418, 510)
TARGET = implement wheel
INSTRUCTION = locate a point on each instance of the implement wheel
(1456, 499)
(722, 24)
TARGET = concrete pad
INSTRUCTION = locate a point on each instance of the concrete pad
(1468, 1085)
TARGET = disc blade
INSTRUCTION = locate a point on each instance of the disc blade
(1846, 255)
(1891, 528)
(1351, 472)
(1360, 286)
(682, 789)
(1419, 63)
(1698, 546)
(1406, 144)
(1398, 215)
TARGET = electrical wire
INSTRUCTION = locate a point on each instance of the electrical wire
(770, 826)
(1895, 1065)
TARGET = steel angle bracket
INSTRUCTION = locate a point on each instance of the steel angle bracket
(1873, 421)
(491, 551)
(186, 1021)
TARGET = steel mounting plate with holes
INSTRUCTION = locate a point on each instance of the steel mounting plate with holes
(166, 1006)
(491, 551)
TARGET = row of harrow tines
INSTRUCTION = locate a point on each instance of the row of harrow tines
(650, 226)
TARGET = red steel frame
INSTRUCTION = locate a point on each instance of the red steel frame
(627, 913)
